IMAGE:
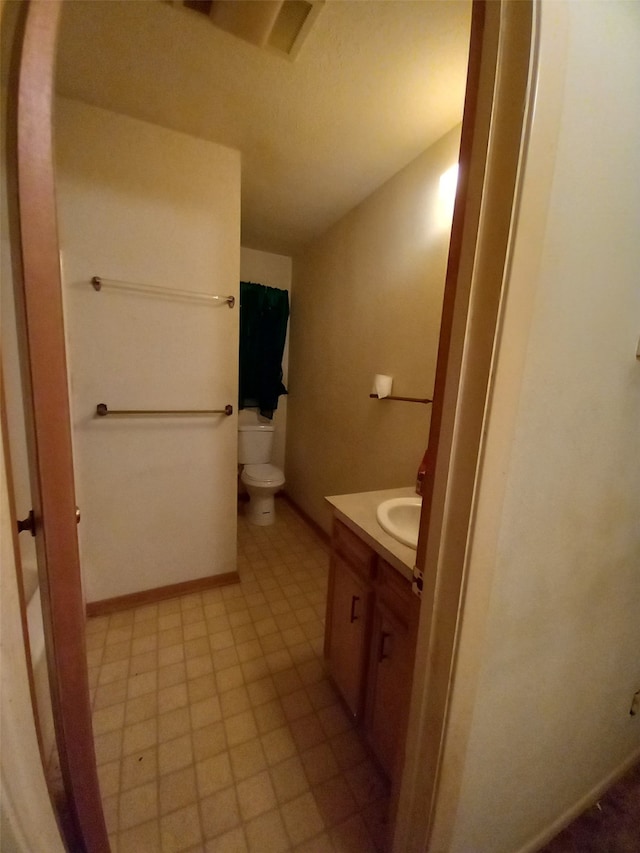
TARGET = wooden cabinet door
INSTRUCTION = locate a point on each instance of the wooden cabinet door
(389, 685)
(348, 618)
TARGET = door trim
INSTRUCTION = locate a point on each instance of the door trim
(49, 432)
(498, 110)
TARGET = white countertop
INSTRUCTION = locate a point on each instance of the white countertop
(358, 512)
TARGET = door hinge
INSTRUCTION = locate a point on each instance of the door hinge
(28, 523)
(416, 583)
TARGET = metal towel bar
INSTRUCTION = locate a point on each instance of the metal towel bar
(152, 290)
(103, 411)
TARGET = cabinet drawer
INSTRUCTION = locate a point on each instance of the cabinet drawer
(353, 549)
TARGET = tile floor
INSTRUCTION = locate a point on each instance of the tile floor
(215, 726)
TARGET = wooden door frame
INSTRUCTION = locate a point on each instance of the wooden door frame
(498, 109)
(461, 383)
(39, 298)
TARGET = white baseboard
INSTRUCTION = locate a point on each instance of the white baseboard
(581, 806)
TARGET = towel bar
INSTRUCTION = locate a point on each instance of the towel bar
(102, 411)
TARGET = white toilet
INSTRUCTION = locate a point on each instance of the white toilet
(261, 479)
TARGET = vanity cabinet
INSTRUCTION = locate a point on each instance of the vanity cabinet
(372, 618)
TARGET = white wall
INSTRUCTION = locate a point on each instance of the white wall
(272, 271)
(554, 580)
(367, 299)
(144, 204)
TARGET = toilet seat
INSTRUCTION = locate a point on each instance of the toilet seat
(262, 475)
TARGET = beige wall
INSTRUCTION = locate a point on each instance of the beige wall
(141, 203)
(273, 271)
(553, 592)
(367, 299)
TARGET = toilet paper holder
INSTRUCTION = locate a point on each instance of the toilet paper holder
(406, 399)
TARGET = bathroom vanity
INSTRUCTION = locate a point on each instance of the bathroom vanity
(372, 620)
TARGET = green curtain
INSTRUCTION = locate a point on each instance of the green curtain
(264, 312)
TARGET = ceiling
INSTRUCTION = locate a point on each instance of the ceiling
(374, 84)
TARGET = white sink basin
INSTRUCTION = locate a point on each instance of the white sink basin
(400, 518)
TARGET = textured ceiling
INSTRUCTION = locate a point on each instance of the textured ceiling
(376, 82)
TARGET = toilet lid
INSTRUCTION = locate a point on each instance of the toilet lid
(265, 473)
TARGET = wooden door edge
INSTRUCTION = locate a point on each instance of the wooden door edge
(499, 74)
(52, 477)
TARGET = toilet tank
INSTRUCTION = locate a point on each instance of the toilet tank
(254, 443)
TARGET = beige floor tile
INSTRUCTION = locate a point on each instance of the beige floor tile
(261, 691)
(224, 658)
(249, 650)
(220, 813)
(296, 705)
(240, 728)
(320, 844)
(144, 838)
(307, 732)
(139, 767)
(244, 633)
(234, 701)
(205, 712)
(334, 720)
(289, 779)
(352, 836)
(255, 670)
(117, 651)
(173, 724)
(144, 662)
(109, 778)
(178, 789)
(240, 617)
(192, 616)
(171, 605)
(196, 667)
(269, 716)
(170, 698)
(116, 671)
(367, 783)
(319, 763)
(108, 746)
(145, 682)
(196, 648)
(170, 637)
(109, 718)
(256, 795)
(175, 673)
(145, 629)
(278, 745)
(169, 621)
(141, 708)
(302, 818)
(209, 741)
(201, 687)
(175, 754)
(138, 805)
(247, 759)
(140, 736)
(170, 654)
(321, 694)
(279, 661)
(226, 679)
(335, 800)
(180, 829)
(144, 644)
(216, 624)
(267, 833)
(192, 630)
(214, 774)
(233, 841)
(110, 808)
(213, 609)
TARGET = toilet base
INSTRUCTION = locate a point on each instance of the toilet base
(261, 510)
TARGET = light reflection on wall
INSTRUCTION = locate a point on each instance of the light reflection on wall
(447, 195)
